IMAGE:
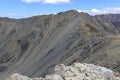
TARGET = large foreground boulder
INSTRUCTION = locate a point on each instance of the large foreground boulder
(76, 71)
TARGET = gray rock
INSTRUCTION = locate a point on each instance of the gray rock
(77, 71)
(16, 76)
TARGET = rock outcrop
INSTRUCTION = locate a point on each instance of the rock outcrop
(77, 71)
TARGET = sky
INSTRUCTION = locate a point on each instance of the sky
(27, 8)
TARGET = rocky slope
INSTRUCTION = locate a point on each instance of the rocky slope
(33, 46)
(113, 18)
(76, 71)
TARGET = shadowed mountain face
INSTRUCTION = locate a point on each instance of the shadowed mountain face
(33, 46)
(113, 18)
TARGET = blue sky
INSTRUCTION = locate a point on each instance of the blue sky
(26, 8)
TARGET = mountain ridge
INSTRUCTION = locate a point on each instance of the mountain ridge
(33, 46)
(112, 18)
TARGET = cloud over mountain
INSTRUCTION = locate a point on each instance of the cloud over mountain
(105, 10)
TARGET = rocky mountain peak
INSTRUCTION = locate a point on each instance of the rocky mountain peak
(33, 46)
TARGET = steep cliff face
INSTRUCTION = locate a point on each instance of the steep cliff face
(33, 46)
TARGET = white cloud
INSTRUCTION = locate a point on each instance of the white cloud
(104, 10)
(95, 10)
(17, 16)
(31, 1)
(79, 10)
(47, 1)
(9, 15)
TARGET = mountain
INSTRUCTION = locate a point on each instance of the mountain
(33, 46)
(113, 18)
